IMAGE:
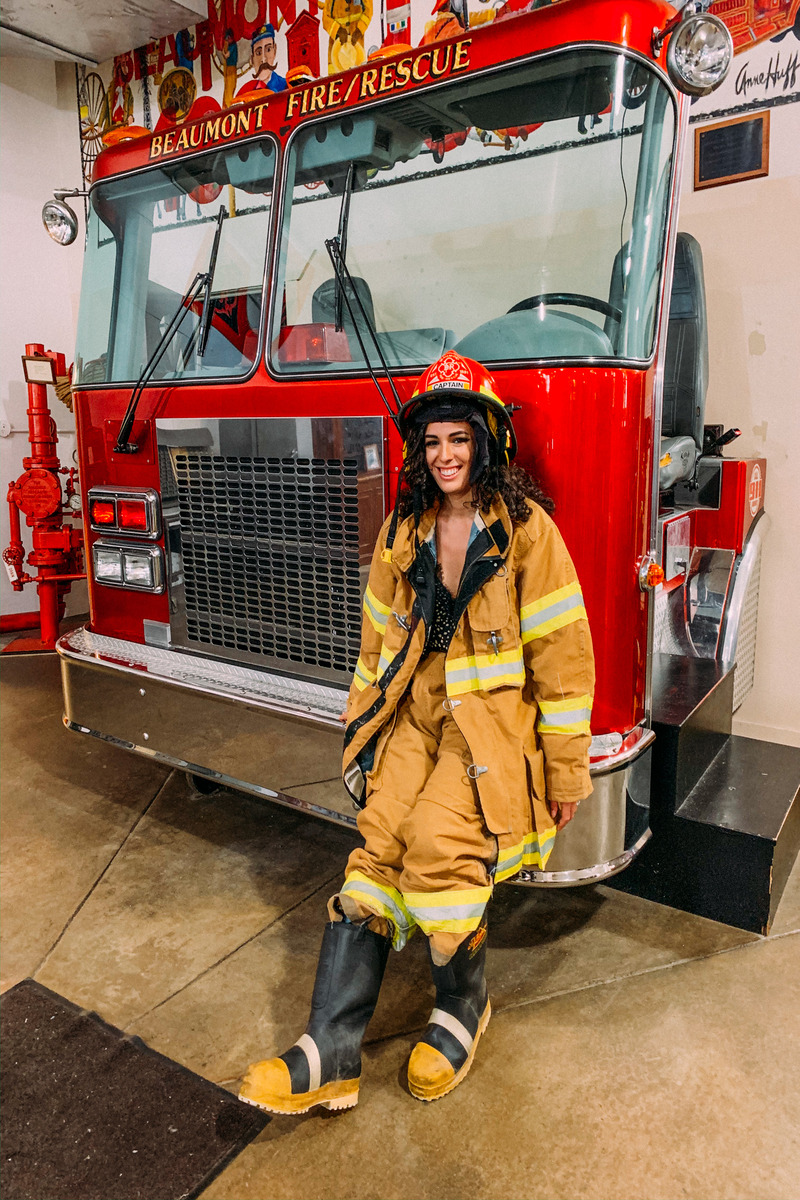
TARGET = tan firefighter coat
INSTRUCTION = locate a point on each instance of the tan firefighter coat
(519, 670)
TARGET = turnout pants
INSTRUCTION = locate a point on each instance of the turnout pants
(428, 856)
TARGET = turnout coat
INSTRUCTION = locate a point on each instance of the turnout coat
(519, 671)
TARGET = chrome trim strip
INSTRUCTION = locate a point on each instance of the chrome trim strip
(594, 874)
(227, 781)
(634, 744)
(274, 693)
(665, 296)
(737, 591)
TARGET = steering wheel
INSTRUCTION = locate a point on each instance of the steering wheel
(577, 299)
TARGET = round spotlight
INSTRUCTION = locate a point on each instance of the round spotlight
(699, 54)
(60, 222)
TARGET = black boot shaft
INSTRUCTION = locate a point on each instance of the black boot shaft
(462, 979)
(352, 961)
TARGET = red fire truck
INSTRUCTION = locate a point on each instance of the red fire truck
(257, 284)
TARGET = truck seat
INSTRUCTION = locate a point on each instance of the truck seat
(685, 367)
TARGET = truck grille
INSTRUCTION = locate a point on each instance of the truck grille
(270, 550)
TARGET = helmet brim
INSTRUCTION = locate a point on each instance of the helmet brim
(409, 413)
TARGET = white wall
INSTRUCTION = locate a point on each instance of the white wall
(750, 236)
(39, 151)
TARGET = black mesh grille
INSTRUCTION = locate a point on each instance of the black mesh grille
(270, 556)
(169, 488)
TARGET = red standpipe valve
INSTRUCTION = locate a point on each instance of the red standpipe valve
(57, 546)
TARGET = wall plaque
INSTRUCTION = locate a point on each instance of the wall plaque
(731, 150)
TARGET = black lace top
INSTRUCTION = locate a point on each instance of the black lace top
(444, 623)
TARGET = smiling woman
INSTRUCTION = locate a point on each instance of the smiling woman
(467, 737)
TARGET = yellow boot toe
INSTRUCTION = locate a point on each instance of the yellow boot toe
(430, 1075)
(268, 1085)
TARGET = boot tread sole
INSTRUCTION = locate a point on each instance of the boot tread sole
(338, 1094)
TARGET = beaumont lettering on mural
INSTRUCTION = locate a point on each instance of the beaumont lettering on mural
(374, 81)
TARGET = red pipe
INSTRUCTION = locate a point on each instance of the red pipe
(38, 493)
(12, 622)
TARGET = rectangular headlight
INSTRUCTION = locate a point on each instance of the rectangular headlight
(139, 569)
(107, 564)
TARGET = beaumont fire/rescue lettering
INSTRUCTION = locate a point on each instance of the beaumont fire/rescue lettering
(375, 81)
(192, 137)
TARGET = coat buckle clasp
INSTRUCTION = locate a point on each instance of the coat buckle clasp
(402, 620)
(495, 641)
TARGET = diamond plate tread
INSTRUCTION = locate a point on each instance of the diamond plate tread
(175, 667)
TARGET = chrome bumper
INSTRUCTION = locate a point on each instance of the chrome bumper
(611, 827)
(280, 738)
(272, 736)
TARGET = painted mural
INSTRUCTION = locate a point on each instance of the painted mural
(246, 46)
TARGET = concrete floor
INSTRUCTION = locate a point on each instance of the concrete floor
(635, 1051)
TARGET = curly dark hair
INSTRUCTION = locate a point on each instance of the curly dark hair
(515, 485)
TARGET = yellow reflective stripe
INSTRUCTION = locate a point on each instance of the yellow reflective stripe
(453, 911)
(533, 851)
(376, 612)
(481, 672)
(363, 677)
(565, 716)
(553, 611)
(386, 659)
(384, 900)
(478, 895)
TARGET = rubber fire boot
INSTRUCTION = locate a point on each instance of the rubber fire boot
(444, 1053)
(324, 1065)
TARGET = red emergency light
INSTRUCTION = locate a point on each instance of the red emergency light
(133, 515)
(314, 343)
(131, 511)
(103, 512)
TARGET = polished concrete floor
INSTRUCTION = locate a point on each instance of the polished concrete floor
(635, 1051)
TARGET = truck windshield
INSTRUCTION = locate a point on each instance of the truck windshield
(515, 215)
(148, 236)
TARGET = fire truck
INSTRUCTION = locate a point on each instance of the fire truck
(263, 285)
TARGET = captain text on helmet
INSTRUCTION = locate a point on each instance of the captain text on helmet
(467, 737)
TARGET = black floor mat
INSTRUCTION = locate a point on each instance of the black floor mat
(89, 1113)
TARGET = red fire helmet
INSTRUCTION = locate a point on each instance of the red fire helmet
(459, 380)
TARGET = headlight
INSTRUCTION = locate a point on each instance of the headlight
(140, 568)
(699, 54)
(60, 222)
(107, 564)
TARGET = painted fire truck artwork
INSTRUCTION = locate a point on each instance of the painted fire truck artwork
(236, 51)
(264, 282)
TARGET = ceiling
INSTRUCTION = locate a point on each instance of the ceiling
(87, 31)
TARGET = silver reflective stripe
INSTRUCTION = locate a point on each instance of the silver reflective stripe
(388, 906)
(309, 1048)
(570, 716)
(450, 912)
(454, 1026)
(481, 671)
(552, 611)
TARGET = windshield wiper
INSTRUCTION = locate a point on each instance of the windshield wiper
(205, 316)
(341, 238)
(343, 279)
(202, 280)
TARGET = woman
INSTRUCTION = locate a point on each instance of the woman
(468, 721)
